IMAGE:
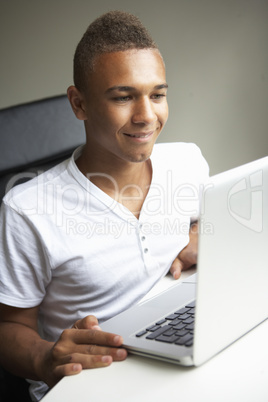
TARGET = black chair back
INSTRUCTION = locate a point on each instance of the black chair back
(34, 137)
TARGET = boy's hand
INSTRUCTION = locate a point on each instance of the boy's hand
(188, 256)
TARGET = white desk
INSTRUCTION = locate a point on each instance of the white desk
(239, 373)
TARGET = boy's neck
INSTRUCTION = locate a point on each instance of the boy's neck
(126, 182)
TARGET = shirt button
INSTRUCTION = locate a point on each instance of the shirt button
(145, 250)
(143, 238)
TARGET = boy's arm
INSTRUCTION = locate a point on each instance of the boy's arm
(25, 354)
(188, 256)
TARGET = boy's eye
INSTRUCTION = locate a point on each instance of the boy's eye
(127, 98)
(158, 96)
(122, 98)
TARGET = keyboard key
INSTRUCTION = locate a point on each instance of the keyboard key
(171, 317)
(182, 340)
(190, 326)
(160, 322)
(170, 332)
(192, 304)
(184, 316)
(190, 342)
(153, 328)
(182, 332)
(189, 320)
(182, 310)
(141, 333)
(192, 311)
(179, 326)
(158, 332)
(167, 339)
(175, 322)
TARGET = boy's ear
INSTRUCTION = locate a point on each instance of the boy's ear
(76, 100)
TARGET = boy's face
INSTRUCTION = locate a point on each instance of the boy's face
(126, 105)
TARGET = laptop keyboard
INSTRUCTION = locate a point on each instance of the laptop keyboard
(177, 328)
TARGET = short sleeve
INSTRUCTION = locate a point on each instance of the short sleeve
(24, 272)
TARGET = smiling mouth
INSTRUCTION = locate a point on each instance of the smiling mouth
(139, 135)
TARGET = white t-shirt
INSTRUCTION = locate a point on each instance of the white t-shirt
(70, 248)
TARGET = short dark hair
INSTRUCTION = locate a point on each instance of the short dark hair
(112, 32)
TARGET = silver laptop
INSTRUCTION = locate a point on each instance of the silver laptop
(196, 319)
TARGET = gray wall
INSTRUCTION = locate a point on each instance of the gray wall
(216, 53)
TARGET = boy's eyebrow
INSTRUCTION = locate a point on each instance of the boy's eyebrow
(125, 88)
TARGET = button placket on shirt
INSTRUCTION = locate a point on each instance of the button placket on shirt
(143, 240)
(143, 234)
